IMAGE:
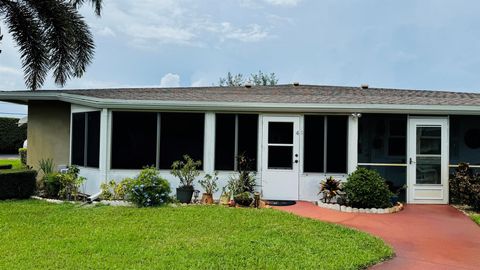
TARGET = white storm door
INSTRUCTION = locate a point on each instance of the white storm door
(428, 160)
(280, 157)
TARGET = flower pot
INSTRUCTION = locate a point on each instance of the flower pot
(184, 195)
(207, 198)
(224, 199)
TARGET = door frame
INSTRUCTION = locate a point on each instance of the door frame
(412, 187)
(296, 167)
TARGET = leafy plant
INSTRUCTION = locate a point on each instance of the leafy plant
(186, 171)
(70, 182)
(46, 165)
(115, 191)
(52, 185)
(244, 180)
(464, 187)
(148, 188)
(244, 198)
(330, 188)
(209, 183)
(367, 189)
(23, 156)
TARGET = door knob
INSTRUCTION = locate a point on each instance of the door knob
(296, 160)
(296, 155)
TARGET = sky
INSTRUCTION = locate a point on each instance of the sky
(415, 44)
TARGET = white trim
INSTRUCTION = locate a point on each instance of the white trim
(352, 144)
(209, 143)
(103, 159)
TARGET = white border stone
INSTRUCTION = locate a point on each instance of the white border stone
(348, 209)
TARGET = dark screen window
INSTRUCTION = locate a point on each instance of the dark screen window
(86, 139)
(93, 139)
(280, 157)
(134, 139)
(224, 142)
(78, 139)
(248, 138)
(244, 127)
(314, 143)
(337, 131)
(181, 134)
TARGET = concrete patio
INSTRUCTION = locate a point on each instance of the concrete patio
(423, 236)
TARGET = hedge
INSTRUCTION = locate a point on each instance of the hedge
(11, 135)
(17, 184)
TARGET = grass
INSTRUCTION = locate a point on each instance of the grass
(16, 164)
(475, 217)
(39, 235)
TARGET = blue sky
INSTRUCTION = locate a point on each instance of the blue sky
(422, 44)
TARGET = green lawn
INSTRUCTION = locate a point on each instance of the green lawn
(15, 162)
(39, 235)
(475, 217)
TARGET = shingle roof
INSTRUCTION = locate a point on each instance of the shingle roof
(289, 94)
(283, 94)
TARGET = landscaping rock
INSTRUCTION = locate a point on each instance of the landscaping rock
(343, 208)
(373, 210)
(348, 209)
(355, 210)
(361, 210)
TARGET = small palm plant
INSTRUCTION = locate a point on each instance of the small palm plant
(330, 188)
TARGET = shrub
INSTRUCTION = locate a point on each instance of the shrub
(330, 188)
(186, 171)
(149, 189)
(52, 185)
(46, 166)
(17, 184)
(70, 182)
(244, 198)
(367, 189)
(115, 191)
(464, 187)
(23, 156)
(244, 181)
(11, 135)
(209, 183)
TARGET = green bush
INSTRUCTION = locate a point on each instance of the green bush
(17, 184)
(22, 152)
(244, 199)
(367, 189)
(115, 191)
(52, 185)
(464, 187)
(11, 135)
(148, 189)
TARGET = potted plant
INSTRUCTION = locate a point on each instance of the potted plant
(225, 197)
(330, 188)
(243, 199)
(186, 171)
(209, 184)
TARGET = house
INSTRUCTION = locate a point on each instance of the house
(296, 135)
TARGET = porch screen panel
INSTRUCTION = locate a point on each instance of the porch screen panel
(134, 139)
(314, 143)
(224, 142)
(235, 134)
(464, 140)
(337, 133)
(382, 146)
(93, 139)
(78, 139)
(180, 134)
(248, 138)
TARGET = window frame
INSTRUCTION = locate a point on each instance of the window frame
(325, 144)
(85, 138)
(236, 140)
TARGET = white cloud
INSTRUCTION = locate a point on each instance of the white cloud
(283, 2)
(170, 80)
(200, 83)
(10, 70)
(106, 32)
(252, 33)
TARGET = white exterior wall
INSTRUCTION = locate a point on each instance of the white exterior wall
(308, 182)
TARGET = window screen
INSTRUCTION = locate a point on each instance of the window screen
(314, 143)
(337, 132)
(244, 127)
(134, 139)
(86, 139)
(464, 139)
(78, 139)
(180, 134)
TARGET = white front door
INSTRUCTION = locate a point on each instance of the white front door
(280, 157)
(428, 160)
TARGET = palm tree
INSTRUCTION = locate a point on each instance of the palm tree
(51, 36)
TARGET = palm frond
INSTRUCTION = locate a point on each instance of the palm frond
(96, 4)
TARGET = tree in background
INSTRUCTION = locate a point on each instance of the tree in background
(11, 135)
(239, 79)
(51, 36)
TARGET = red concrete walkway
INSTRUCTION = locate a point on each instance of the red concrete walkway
(423, 236)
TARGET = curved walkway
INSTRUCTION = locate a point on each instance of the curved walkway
(423, 236)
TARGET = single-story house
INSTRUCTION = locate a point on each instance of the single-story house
(296, 135)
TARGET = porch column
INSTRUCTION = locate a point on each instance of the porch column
(209, 143)
(352, 143)
(104, 142)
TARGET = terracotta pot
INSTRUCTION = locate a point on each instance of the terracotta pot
(224, 199)
(207, 198)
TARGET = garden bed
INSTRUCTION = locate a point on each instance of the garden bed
(348, 209)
